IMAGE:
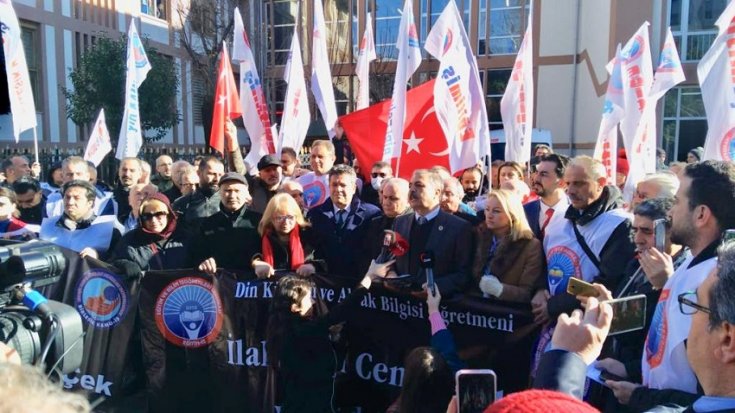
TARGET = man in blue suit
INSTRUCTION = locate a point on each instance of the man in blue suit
(340, 224)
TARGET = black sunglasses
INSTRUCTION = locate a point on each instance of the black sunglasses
(376, 174)
(150, 215)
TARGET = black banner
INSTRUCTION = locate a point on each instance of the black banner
(204, 341)
(107, 304)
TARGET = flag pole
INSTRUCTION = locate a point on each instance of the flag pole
(35, 143)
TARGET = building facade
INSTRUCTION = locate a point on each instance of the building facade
(573, 41)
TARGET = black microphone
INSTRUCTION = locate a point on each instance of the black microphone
(389, 238)
(426, 260)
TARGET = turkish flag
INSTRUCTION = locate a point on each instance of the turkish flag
(424, 144)
(226, 102)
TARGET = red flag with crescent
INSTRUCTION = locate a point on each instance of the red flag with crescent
(424, 144)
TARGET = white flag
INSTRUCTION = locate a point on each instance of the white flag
(321, 74)
(459, 100)
(715, 72)
(637, 75)
(296, 116)
(409, 59)
(366, 55)
(669, 73)
(22, 107)
(138, 66)
(516, 106)
(252, 99)
(606, 149)
(99, 141)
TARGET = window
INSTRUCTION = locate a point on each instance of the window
(31, 47)
(693, 25)
(154, 8)
(387, 24)
(197, 97)
(336, 19)
(501, 26)
(685, 122)
(281, 14)
(496, 81)
(432, 9)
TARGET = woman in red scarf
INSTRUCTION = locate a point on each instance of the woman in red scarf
(282, 248)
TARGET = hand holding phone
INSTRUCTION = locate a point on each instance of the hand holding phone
(476, 390)
(576, 287)
(659, 234)
(629, 314)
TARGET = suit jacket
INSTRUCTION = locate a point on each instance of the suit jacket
(343, 252)
(532, 210)
(518, 265)
(451, 241)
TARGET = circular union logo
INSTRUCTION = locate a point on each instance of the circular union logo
(189, 312)
(101, 299)
(314, 193)
(562, 264)
(635, 49)
(727, 147)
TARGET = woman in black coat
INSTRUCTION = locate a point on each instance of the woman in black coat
(155, 244)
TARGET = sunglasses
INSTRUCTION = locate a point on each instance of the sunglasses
(376, 174)
(147, 216)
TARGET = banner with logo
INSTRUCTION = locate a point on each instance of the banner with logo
(204, 340)
(137, 67)
(107, 304)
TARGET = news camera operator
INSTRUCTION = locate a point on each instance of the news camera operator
(282, 246)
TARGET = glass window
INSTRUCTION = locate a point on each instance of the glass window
(337, 21)
(154, 8)
(684, 123)
(32, 49)
(430, 12)
(387, 22)
(496, 80)
(282, 14)
(501, 25)
(693, 25)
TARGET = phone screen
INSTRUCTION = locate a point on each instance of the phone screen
(475, 390)
(729, 235)
(629, 314)
(659, 234)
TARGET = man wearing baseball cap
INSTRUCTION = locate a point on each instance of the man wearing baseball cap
(266, 184)
(231, 233)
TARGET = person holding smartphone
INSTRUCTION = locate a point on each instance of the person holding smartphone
(428, 382)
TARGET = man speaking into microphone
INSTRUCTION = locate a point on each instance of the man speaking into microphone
(430, 229)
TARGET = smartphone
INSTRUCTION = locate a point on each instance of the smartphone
(729, 235)
(606, 375)
(475, 390)
(577, 287)
(659, 234)
(629, 314)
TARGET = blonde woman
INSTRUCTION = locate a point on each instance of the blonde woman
(509, 260)
(282, 246)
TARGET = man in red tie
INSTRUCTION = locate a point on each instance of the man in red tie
(552, 202)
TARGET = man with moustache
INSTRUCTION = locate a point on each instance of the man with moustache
(471, 181)
(128, 174)
(265, 185)
(548, 184)
(394, 201)
(431, 229)
(204, 202)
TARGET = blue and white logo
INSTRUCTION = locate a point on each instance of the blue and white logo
(101, 299)
(189, 312)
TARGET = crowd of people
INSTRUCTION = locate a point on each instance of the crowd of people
(513, 233)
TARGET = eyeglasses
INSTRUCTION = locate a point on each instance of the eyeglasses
(378, 174)
(150, 215)
(283, 218)
(688, 304)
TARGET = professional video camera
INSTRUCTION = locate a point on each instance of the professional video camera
(38, 329)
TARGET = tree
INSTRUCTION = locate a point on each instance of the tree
(99, 82)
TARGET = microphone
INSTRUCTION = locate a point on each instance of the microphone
(400, 246)
(426, 259)
(34, 300)
(389, 238)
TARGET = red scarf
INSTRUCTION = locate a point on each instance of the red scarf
(294, 246)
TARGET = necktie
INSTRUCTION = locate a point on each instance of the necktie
(340, 219)
(421, 220)
(549, 214)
